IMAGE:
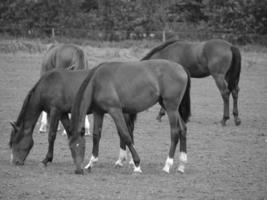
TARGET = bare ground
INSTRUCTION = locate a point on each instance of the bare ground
(224, 162)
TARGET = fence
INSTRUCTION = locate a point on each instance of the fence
(120, 35)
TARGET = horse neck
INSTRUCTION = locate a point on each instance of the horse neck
(30, 116)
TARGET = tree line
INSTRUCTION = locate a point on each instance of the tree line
(132, 17)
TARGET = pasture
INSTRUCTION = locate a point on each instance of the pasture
(223, 162)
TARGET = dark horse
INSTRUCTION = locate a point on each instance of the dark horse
(121, 88)
(217, 58)
(65, 57)
(54, 93)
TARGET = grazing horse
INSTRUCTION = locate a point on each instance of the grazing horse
(66, 57)
(217, 58)
(121, 88)
(54, 93)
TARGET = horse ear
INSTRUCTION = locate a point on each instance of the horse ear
(13, 124)
(83, 131)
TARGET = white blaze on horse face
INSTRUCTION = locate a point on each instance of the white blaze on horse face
(183, 161)
(122, 157)
(91, 162)
(168, 165)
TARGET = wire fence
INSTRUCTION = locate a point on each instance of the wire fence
(120, 35)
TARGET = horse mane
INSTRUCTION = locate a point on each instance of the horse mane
(82, 57)
(26, 103)
(158, 48)
(20, 120)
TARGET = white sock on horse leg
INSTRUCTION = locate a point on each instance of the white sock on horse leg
(168, 164)
(137, 169)
(43, 127)
(87, 126)
(122, 157)
(183, 161)
(91, 162)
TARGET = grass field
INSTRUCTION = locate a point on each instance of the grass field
(224, 162)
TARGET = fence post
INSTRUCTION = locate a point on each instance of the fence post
(163, 35)
(53, 33)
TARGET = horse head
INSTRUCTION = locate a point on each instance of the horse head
(20, 144)
(77, 148)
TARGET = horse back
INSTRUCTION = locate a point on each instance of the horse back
(126, 84)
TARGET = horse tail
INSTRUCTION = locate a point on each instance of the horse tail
(233, 74)
(185, 105)
(82, 59)
(131, 121)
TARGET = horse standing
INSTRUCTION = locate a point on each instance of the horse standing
(217, 58)
(53, 93)
(120, 88)
(65, 57)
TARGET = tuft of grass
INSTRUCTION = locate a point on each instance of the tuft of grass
(16, 45)
(136, 47)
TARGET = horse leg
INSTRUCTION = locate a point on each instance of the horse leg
(123, 153)
(183, 148)
(235, 108)
(173, 115)
(161, 114)
(124, 134)
(98, 123)
(130, 125)
(65, 131)
(66, 124)
(53, 121)
(87, 126)
(43, 127)
(222, 85)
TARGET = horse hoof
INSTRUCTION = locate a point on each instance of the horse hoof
(118, 163)
(181, 169)
(42, 165)
(88, 169)
(237, 122)
(79, 171)
(137, 170)
(223, 123)
(158, 118)
(166, 170)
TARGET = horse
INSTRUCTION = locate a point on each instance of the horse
(65, 57)
(127, 88)
(54, 93)
(215, 57)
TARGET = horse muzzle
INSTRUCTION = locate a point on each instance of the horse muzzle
(15, 161)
